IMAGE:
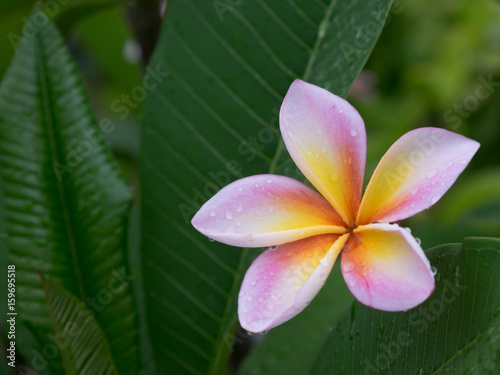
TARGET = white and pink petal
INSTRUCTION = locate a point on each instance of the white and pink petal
(326, 138)
(266, 210)
(282, 281)
(385, 268)
(414, 174)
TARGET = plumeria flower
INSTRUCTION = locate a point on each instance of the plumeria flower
(382, 263)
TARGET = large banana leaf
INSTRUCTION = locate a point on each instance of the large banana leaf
(64, 202)
(217, 80)
(456, 331)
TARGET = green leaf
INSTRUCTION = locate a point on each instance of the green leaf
(213, 119)
(64, 202)
(83, 346)
(456, 330)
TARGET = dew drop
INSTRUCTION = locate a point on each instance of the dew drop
(434, 271)
(242, 294)
(229, 215)
(450, 163)
(277, 295)
(256, 185)
(249, 298)
(324, 262)
(239, 208)
(341, 110)
(435, 199)
(269, 307)
(240, 189)
(408, 230)
(212, 213)
(211, 239)
(354, 132)
(273, 247)
(432, 173)
(347, 266)
(269, 180)
(253, 283)
(464, 161)
(418, 240)
(352, 282)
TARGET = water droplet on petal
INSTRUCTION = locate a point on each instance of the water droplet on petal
(273, 247)
(242, 293)
(240, 189)
(432, 173)
(253, 283)
(435, 199)
(212, 213)
(229, 215)
(347, 266)
(269, 307)
(450, 163)
(324, 262)
(249, 298)
(434, 270)
(256, 185)
(354, 132)
(418, 240)
(465, 161)
(341, 110)
(269, 180)
(408, 230)
(352, 282)
(239, 208)
(211, 239)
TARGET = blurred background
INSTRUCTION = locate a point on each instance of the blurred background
(437, 63)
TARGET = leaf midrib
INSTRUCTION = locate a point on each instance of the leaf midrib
(49, 121)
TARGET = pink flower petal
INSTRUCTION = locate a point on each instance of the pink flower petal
(326, 138)
(280, 283)
(385, 268)
(414, 174)
(266, 210)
